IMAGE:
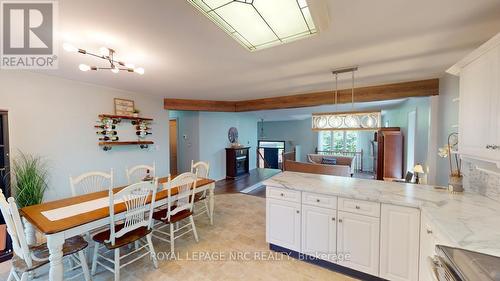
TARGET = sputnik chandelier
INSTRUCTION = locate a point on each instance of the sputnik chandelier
(107, 54)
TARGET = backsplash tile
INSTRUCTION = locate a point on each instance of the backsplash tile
(480, 182)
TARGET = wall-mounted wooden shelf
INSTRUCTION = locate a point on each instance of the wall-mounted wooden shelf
(118, 143)
(107, 145)
(112, 116)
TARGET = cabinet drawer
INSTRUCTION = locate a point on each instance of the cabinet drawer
(283, 194)
(359, 207)
(319, 200)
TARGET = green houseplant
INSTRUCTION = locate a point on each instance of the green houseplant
(29, 182)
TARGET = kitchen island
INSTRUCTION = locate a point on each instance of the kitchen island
(389, 229)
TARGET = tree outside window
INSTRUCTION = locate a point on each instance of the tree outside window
(337, 141)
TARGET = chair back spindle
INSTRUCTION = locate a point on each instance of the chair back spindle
(200, 168)
(185, 184)
(138, 213)
(91, 182)
(136, 174)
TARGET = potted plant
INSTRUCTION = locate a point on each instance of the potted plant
(449, 151)
(29, 183)
(136, 112)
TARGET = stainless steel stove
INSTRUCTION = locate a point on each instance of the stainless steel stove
(454, 264)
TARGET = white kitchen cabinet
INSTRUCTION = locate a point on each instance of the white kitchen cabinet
(283, 223)
(429, 238)
(358, 237)
(319, 232)
(399, 243)
(479, 117)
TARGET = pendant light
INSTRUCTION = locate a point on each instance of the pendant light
(361, 120)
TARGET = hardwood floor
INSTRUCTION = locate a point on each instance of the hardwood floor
(237, 185)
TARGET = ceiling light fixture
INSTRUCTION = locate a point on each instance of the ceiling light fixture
(331, 121)
(105, 54)
(260, 24)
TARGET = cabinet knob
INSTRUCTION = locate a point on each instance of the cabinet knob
(298, 211)
(495, 147)
(429, 231)
(333, 219)
(358, 207)
(488, 146)
(317, 200)
(282, 194)
(340, 220)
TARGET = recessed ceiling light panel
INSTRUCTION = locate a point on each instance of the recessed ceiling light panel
(259, 24)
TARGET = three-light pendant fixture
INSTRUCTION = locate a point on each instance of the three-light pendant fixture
(353, 120)
(107, 54)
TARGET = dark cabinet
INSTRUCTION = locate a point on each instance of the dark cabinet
(237, 162)
(390, 154)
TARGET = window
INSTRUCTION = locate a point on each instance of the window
(337, 140)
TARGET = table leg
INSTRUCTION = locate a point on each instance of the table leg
(211, 201)
(55, 244)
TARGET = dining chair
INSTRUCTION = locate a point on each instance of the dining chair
(88, 183)
(180, 197)
(201, 169)
(26, 258)
(137, 173)
(124, 230)
(91, 182)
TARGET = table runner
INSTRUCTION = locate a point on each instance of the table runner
(77, 209)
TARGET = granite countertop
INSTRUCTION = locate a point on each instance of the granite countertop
(468, 220)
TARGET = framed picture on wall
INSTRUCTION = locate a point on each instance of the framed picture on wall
(124, 107)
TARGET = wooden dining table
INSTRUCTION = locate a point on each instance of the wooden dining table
(56, 231)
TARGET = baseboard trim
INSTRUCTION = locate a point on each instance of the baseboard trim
(328, 265)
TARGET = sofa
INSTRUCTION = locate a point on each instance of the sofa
(340, 161)
(313, 168)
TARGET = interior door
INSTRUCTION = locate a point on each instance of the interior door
(5, 247)
(173, 146)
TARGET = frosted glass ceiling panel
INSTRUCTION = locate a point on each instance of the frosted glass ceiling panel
(259, 24)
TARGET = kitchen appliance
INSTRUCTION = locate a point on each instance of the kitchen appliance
(455, 264)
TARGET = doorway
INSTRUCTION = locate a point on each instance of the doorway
(412, 132)
(5, 243)
(173, 146)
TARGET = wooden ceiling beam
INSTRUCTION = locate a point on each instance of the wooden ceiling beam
(199, 105)
(421, 88)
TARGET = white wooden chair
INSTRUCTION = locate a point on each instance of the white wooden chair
(91, 182)
(26, 258)
(176, 210)
(137, 224)
(201, 170)
(137, 173)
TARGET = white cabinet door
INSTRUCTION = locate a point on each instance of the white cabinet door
(283, 223)
(399, 243)
(358, 237)
(427, 245)
(478, 116)
(319, 232)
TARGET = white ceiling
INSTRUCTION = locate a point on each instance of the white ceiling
(187, 56)
(306, 112)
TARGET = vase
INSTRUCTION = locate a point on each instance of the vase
(455, 184)
(29, 232)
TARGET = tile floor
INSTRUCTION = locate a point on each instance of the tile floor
(239, 227)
